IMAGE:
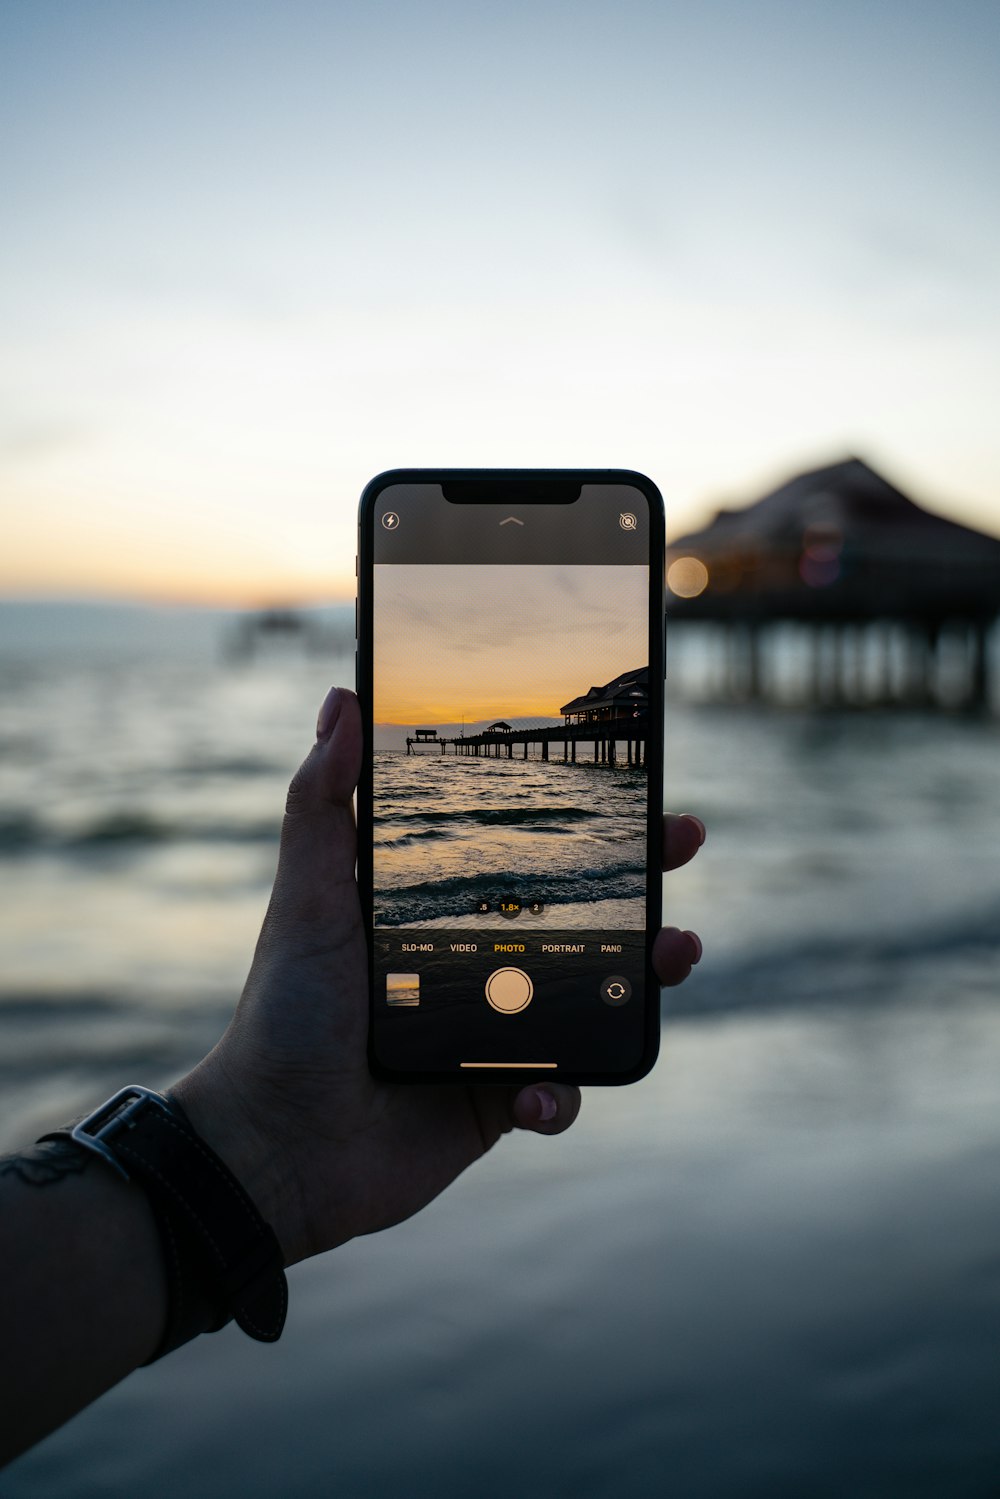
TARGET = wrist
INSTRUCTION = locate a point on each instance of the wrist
(223, 1261)
(218, 1114)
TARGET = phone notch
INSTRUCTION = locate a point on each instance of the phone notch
(541, 491)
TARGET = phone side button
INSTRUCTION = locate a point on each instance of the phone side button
(664, 647)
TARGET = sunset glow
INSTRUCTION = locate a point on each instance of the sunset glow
(233, 286)
(499, 642)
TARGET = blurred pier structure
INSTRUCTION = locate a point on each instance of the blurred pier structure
(835, 590)
(612, 718)
(310, 631)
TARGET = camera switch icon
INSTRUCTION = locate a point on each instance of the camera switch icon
(616, 990)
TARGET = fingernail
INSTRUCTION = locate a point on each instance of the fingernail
(547, 1106)
(698, 824)
(328, 714)
(695, 941)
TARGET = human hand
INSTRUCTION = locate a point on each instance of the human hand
(326, 1151)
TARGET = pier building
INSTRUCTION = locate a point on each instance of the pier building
(838, 589)
(607, 724)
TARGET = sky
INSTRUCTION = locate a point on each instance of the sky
(253, 254)
(468, 642)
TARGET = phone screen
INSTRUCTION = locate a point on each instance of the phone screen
(513, 785)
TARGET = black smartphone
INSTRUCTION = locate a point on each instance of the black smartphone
(510, 671)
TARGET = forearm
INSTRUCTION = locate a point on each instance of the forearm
(83, 1287)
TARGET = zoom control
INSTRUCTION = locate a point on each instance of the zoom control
(510, 907)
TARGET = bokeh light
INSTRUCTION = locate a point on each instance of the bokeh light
(687, 577)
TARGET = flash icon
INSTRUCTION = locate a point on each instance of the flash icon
(627, 521)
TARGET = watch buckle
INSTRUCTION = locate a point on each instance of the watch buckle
(115, 1114)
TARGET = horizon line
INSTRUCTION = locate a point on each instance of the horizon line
(171, 601)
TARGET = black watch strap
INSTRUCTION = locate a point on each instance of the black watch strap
(222, 1260)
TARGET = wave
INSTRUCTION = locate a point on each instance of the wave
(235, 766)
(929, 964)
(23, 833)
(497, 816)
(435, 900)
(19, 830)
(406, 839)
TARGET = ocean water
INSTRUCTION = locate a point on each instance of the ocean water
(571, 838)
(772, 1268)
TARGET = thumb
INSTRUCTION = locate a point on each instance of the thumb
(318, 836)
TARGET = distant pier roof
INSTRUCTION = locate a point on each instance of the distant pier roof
(631, 689)
(838, 542)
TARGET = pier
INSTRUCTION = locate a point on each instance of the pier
(312, 631)
(609, 742)
(613, 718)
(836, 590)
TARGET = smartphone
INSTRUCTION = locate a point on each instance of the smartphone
(510, 672)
